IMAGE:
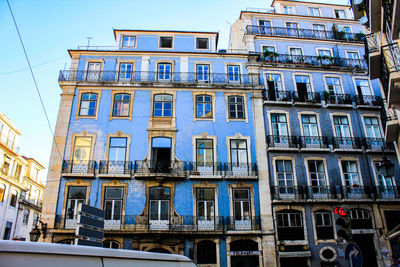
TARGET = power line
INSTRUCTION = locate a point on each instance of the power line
(35, 66)
(34, 80)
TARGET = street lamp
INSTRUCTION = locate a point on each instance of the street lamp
(386, 167)
(35, 233)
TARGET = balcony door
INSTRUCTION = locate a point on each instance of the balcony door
(205, 209)
(241, 209)
(292, 29)
(204, 156)
(317, 176)
(352, 179)
(284, 173)
(274, 85)
(279, 129)
(159, 206)
(265, 26)
(240, 166)
(303, 86)
(93, 71)
(161, 155)
(113, 207)
(386, 184)
(342, 130)
(76, 195)
(310, 130)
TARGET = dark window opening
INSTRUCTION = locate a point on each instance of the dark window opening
(206, 252)
(165, 42)
(323, 225)
(201, 43)
(290, 225)
(392, 218)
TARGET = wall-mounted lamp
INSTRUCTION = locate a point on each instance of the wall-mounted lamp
(35, 233)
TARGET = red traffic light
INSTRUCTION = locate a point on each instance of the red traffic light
(340, 211)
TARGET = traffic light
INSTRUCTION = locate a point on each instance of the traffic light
(344, 227)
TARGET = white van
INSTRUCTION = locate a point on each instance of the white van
(17, 253)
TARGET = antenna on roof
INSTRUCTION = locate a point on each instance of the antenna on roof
(88, 42)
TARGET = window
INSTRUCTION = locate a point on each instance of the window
(296, 54)
(88, 105)
(303, 85)
(206, 252)
(82, 148)
(205, 207)
(316, 172)
(372, 127)
(128, 41)
(274, 87)
(319, 31)
(1, 128)
(242, 208)
(122, 103)
(113, 203)
(164, 72)
(165, 42)
(323, 225)
(159, 207)
(203, 73)
(204, 153)
(314, 11)
(265, 26)
(351, 176)
(236, 107)
(6, 165)
(201, 43)
(239, 152)
(269, 48)
(334, 85)
(310, 126)
(204, 106)
(7, 230)
(14, 197)
(385, 183)
(342, 128)
(35, 219)
(363, 87)
(279, 128)
(76, 195)
(25, 219)
(290, 225)
(360, 219)
(292, 29)
(93, 71)
(125, 71)
(288, 10)
(284, 173)
(233, 74)
(111, 244)
(325, 56)
(353, 58)
(117, 150)
(2, 192)
(340, 14)
(162, 105)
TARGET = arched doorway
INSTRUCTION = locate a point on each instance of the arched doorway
(244, 253)
(160, 250)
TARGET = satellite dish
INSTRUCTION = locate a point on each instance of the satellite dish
(358, 2)
(364, 20)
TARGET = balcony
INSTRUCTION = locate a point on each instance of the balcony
(154, 169)
(368, 101)
(9, 144)
(337, 100)
(391, 72)
(317, 143)
(376, 144)
(344, 144)
(78, 168)
(149, 78)
(240, 170)
(356, 192)
(388, 192)
(372, 49)
(306, 98)
(174, 224)
(392, 125)
(279, 97)
(37, 205)
(305, 33)
(205, 170)
(121, 169)
(313, 62)
(282, 142)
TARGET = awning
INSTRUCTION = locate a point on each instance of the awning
(293, 254)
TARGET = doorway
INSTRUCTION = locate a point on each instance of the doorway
(161, 155)
(366, 244)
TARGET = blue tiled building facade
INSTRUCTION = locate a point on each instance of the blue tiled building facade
(232, 157)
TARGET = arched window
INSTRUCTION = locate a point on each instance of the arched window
(206, 252)
(290, 225)
(111, 244)
(323, 225)
(360, 219)
(88, 104)
(122, 104)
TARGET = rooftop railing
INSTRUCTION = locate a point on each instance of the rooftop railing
(149, 77)
(305, 33)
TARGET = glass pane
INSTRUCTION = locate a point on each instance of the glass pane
(108, 209)
(164, 209)
(117, 209)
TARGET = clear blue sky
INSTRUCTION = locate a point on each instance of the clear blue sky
(50, 27)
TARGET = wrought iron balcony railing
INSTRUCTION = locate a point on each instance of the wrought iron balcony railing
(371, 43)
(305, 33)
(356, 192)
(165, 167)
(177, 224)
(159, 77)
(243, 223)
(205, 168)
(316, 61)
(79, 167)
(287, 192)
(387, 192)
(115, 167)
(240, 169)
(391, 54)
(313, 142)
(347, 143)
(282, 141)
(344, 99)
(375, 143)
(275, 95)
(368, 100)
(306, 97)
